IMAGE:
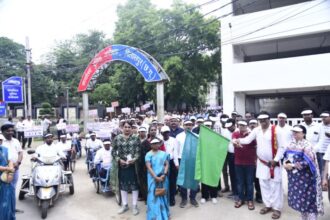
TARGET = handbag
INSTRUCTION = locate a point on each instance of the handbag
(6, 176)
(160, 189)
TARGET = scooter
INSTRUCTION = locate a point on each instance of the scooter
(47, 181)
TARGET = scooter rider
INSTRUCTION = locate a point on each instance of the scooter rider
(104, 156)
(49, 149)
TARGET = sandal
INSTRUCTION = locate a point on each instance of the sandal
(250, 205)
(276, 214)
(265, 210)
(238, 204)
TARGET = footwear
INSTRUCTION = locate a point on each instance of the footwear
(194, 202)
(183, 203)
(214, 200)
(258, 200)
(226, 189)
(19, 211)
(123, 209)
(135, 210)
(250, 205)
(220, 194)
(265, 210)
(203, 201)
(239, 203)
(276, 214)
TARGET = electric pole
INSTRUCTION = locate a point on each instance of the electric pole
(28, 73)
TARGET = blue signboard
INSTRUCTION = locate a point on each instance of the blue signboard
(2, 109)
(138, 60)
(12, 90)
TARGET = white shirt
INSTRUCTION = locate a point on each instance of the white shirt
(14, 147)
(181, 137)
(20, 126)
(327, 157)
(285, 132)
(64, 147)
(28, 123)
(45, 124)
(311, 132)
(228, 134)
(94, 144)
(49, 150)
(323, 141)
(264, 151)
(104, 156)
(172, 148)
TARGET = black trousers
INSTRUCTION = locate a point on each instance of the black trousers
(173, 174)
(232, 173)
(29, 140)
(209, 192)
(225, 174)
(20, 136)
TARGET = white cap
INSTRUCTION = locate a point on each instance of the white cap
(234, 112)
(307, 112)
(164, 129)
(263, 116)
(297, 129)
(155, 141)
(213, 118)
(93, 134)
(228, 125)
(224, 119)
(282, 115)
(253, 121)
(324, 114)
(142, 129)
(63, 136)
(200, 120)
(193, 118)
(122, 120)
(187, 122)
(106, 142)
(208, 123)
(46, 135)
(242, 123)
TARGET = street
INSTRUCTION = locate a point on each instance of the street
(85, 204)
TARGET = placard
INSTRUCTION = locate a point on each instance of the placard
(35, 131)
(110, 109)
(72, 128)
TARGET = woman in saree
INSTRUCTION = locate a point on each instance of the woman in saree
(305, 192)
(7, 190)
(157, 165)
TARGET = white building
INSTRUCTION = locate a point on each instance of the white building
(276, 55)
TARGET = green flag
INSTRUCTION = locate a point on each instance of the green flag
(211, 154)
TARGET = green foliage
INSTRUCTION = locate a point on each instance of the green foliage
(46, 109)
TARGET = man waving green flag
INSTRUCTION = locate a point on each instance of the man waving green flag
(211, 155)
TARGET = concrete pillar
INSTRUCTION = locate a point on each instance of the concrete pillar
(160, 101)
(240, 102)
(85, 109)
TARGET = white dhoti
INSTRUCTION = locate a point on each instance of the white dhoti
(272, 193)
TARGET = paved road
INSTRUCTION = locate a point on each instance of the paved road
(85, 204)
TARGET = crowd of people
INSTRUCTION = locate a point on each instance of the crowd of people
(145, 156)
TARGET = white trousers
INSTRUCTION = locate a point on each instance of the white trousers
(272, 193)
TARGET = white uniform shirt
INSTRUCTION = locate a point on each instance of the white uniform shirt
(172, 148)
(181, 137)
(104, 156)
(46, 150)
(20, 126)
(94, 144)
(14, 147)
(264, 151)
(64, 147)
(285, 132)
(228, 134)
(311, 132)
(45, 124)
(28, 123)
(323, 141)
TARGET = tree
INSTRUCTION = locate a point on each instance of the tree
(46, 109)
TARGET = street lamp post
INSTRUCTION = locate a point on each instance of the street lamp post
(67, 104)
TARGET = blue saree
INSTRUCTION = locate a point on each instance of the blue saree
(7, 191)
(157, 206)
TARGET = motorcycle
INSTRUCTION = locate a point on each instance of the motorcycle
(46, 182)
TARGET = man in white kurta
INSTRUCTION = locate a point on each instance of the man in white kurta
(271, 188)
(283, 129)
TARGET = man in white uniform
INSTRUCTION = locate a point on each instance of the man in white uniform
(311, 126)
(283, 128)
(49, 149)
(28, 123)
(94, 143)
(66, 147)
(103, 156)
(270, 150)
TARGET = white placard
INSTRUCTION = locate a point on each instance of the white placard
(92, 112)
(35, 131)
(126, 110)
(72, 128)
(110, 109)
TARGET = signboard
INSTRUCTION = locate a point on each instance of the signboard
(115, 104)
(93, 113)
(126, 110)
(35, 131)
(72, 128)
(12, 90)
(137, 109)
(110, 109)
(104, 134)
(2, 108)
(103, 130)
(145, 106)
